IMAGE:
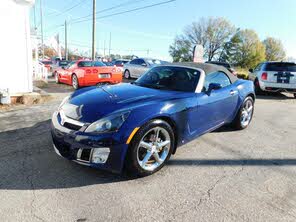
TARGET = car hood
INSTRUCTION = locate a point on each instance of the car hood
(93, 103)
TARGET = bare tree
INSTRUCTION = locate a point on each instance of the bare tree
(211, 33)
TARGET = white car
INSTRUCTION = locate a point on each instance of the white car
(137, 67)
(274, 77)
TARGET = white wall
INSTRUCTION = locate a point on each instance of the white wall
(15, 47)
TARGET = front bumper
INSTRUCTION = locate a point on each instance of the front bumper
(277, 87)
(72, 145)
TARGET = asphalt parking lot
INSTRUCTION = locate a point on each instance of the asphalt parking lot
(223, 176)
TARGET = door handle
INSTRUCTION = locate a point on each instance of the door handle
(232, 92)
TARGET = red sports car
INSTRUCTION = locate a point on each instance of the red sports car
(88, 73)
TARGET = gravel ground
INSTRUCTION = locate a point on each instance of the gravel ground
(226, 175)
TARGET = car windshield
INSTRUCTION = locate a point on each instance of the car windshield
(281, 66)
(70, 64)
(99, 64)
(63, 63)
(170, 78)
(47, 62)
(155, 62)
(85, 64)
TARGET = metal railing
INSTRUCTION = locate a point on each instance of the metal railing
(40, 72)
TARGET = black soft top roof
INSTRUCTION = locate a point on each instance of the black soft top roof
(208, 68)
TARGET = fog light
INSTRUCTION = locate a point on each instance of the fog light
(100, 155)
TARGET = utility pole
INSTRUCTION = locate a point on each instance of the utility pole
(110, 45)
(104, 47)
(148, 50)
(35, 27)
(93, 54)
(41, 20)
(66, 41)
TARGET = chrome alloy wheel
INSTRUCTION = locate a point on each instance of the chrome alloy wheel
(247, 113)
(56, 77)
(153, 148)
(74, 82)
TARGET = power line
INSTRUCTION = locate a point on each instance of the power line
(114, 14)
(89, 47)
(69, 9)
(109, 9)
(127, 11)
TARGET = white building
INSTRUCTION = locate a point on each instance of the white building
(15, 44)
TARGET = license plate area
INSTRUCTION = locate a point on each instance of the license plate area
(283, 77)
(104, 76)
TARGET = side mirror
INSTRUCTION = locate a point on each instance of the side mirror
(144, 64)
(251, 70)
(214, 86)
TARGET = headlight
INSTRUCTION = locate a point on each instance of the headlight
(65, 100)
(108, 124)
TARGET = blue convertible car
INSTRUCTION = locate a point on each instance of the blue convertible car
(137, 126)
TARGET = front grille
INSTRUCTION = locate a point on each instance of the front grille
(84, 155)
(72, 126)
(63, 148)
(68, 123)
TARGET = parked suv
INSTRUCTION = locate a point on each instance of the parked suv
(274, 77)
(137, 67)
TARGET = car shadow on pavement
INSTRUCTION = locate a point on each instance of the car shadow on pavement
(275, 96)
(233, 162)
(28, 161)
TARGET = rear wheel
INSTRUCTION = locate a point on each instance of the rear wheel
(151, 148)
(245, 114)
(127, 74)
(75, 83)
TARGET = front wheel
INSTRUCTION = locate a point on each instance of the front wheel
(151, 148)
(245, 114)
(56, 76)
(75, 82)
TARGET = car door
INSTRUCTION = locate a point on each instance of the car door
(66, 72)
(215, 107)
(142, 67)
(70, 71)
(63, 74)
(132, 67)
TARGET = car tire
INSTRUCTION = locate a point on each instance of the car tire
(245, 114)
(144, 160)
(56, 76)
(258, 90)
(75, 82)
(127, 74)
(295, 95)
